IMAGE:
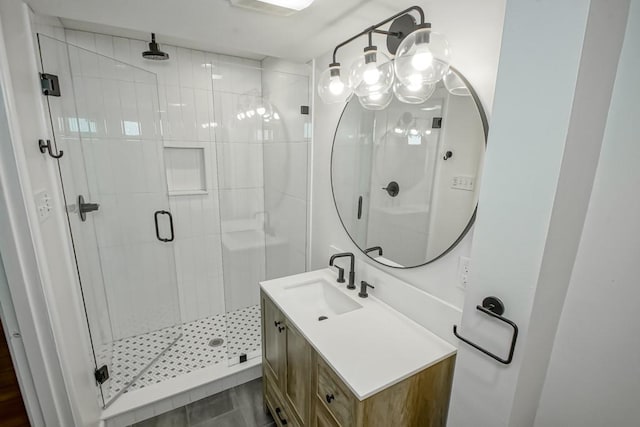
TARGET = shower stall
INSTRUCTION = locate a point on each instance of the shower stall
(185, 184)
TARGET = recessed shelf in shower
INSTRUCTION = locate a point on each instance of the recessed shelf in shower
(186, 170)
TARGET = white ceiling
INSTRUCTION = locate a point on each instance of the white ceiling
(215, 25)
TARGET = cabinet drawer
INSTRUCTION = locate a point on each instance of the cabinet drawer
(335, 396)
(275, 403)
(323, 417)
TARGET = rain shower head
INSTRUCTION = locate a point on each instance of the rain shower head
(154, 51)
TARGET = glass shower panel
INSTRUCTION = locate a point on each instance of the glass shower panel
(107, 123)
(287, 146)
(241, 199)
(262, 141)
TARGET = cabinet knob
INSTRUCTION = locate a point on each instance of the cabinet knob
(329, 397)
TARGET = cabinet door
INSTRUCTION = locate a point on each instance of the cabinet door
(298, 374)
(323, 417)
(273, 332)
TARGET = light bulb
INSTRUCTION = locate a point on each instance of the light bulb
(250, 113)
(415, 83)
(376, 100)
(398, 131)
(422, 60)
(261, 110)
(336, 86)
(331, 87)
(372, 72)
(414, 93)
(371, 76)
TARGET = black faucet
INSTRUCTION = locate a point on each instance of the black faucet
(363, 289)
(352, 273)
(374, 248)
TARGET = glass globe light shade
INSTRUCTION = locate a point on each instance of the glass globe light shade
(332, 87)
(376, 100)
(371, 73)
(422, 58)
(413, 94)
(455, 85)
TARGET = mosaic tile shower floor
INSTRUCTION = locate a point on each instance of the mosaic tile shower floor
(239, 329)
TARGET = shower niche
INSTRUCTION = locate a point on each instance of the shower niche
(186, 170)
(194, 205)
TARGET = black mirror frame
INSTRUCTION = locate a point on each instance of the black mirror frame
(485, 126)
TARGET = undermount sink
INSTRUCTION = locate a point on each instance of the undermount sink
(321, 298)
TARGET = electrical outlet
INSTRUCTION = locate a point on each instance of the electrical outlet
(463, 183)
(464, 267)
(44, 205)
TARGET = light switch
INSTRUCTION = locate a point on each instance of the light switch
(44, 205)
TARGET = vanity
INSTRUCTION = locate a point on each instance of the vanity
(332, 358)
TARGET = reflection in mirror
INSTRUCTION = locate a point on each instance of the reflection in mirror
(405, 179)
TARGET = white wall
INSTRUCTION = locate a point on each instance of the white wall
(474, 30)
(594, 373)
(552, 93)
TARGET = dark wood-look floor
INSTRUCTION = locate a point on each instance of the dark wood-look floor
(241, 406)
(12, 411)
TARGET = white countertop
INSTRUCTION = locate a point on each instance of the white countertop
(370, 348)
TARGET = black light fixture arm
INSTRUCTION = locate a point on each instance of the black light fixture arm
(374, 29)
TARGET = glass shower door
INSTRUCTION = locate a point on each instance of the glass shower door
(106, 123)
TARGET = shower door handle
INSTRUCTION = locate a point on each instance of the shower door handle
(155, 217)
(360, 207)
(84, 208)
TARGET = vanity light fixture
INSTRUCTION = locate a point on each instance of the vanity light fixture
(421, 60)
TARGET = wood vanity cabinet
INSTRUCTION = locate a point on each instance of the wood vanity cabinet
(302, 390)
(286, 361)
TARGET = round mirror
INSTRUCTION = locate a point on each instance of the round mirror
(405, 179)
